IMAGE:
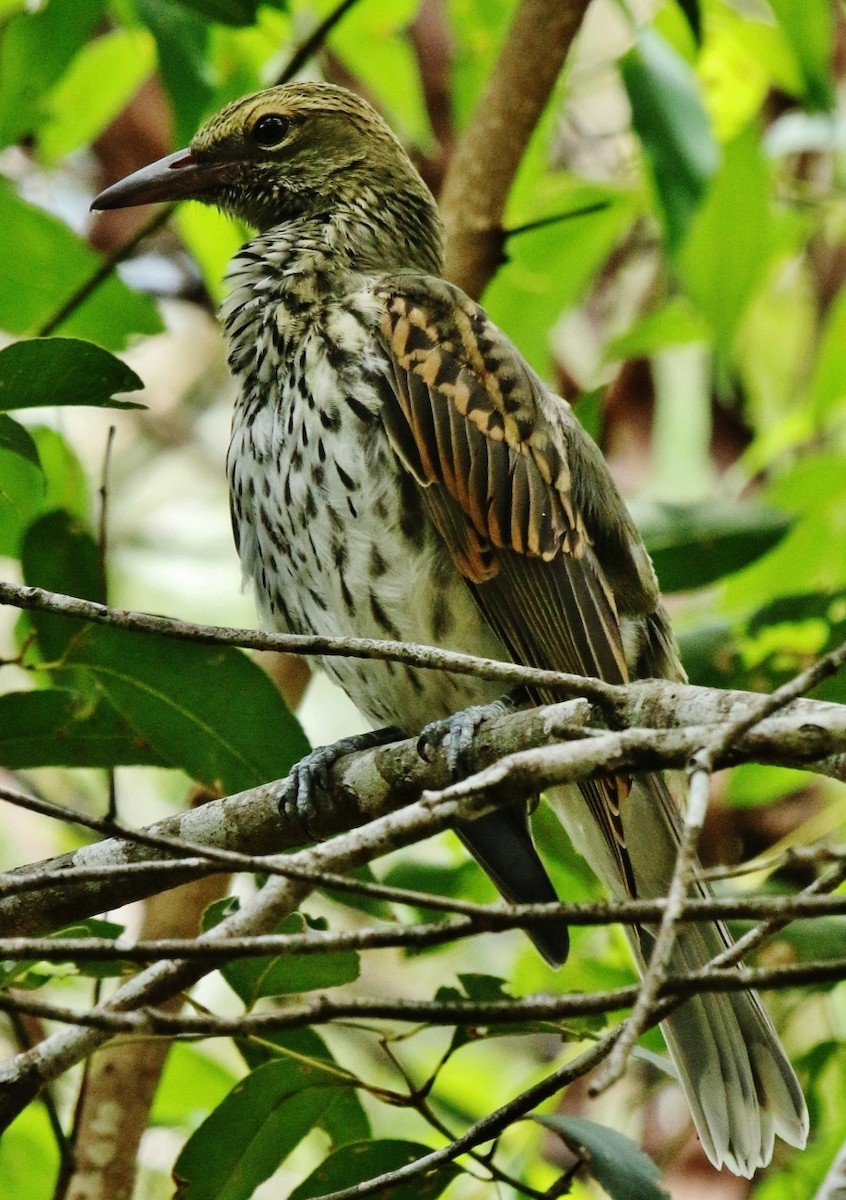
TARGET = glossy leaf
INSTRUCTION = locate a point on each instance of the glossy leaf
(809, 31)
(730, 238)
(345, 1120)
(252, 1132)
(42, 264)
(209, 710)
(175, 697)
(16, 439)
(182, 39)
(58, 371)
(35, 49)
(674, 130)
(59, 553)
(55, 727)
(360, 1161)
(614, 1161)
(99, 83)
(693, 546)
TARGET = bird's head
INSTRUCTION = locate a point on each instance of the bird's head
(302, 150)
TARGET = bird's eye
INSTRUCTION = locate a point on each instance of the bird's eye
(270, 129)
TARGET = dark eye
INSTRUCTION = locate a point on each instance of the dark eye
(270, 129)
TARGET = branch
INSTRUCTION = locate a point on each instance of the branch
(488, 155)
(235, 833)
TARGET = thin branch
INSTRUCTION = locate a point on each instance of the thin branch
(428, 657)
(782, 911)
(102, 273)
(314, 42)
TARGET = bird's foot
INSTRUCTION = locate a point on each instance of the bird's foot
(455, 734)
(307, 793)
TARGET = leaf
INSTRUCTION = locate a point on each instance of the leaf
(15, 438)
(360, 1161)
(64, 371)
(176, 698)
(673, 127)
(345, 1121)
(182, 39)
(264, 1118)
(809, 31)
(35, 49)
(209, 710)
(100, 81)
(42, 263)
(56, 727)
(228, 12)
(729, 241)
(59, 554)
(673, 324)
(828, 383)
(283, 974)
(693, 16)
(613, 1160)
(22, 485)
(29, 1156)
(693, 545)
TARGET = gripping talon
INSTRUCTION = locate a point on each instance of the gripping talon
(307, 795)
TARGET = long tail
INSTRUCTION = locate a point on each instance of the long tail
(740, 1087)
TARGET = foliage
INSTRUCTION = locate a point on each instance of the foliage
(706, 218)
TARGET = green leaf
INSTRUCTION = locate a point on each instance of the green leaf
(692, 546)
(673, 127)
(97, 85)
(35, 49)
(673, 324)
(42, 264)
(250, 1134)
(828, 383)
(59, 553)
(22, 486)
(182, 40)
(228, 12)
(549, 268)
(29, 1156)
(174, 697)
(192, 1084)
(729, 241)
(57, 370)
(276, 975)
(55, 727)
(372, 42)
(31, 974)
(180, 698)
(16, 439)
(809, 31)
(345, 1121)
(360, 1161)
(614, 1161)
(693, 16)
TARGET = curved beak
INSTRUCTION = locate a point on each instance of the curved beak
(180, 176)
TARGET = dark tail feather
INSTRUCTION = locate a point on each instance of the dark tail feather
(502, 844)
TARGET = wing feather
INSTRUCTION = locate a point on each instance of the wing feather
(492, 448)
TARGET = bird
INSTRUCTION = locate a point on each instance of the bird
(397, 470)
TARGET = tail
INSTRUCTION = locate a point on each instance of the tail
(740, 1087)
(501, 842)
